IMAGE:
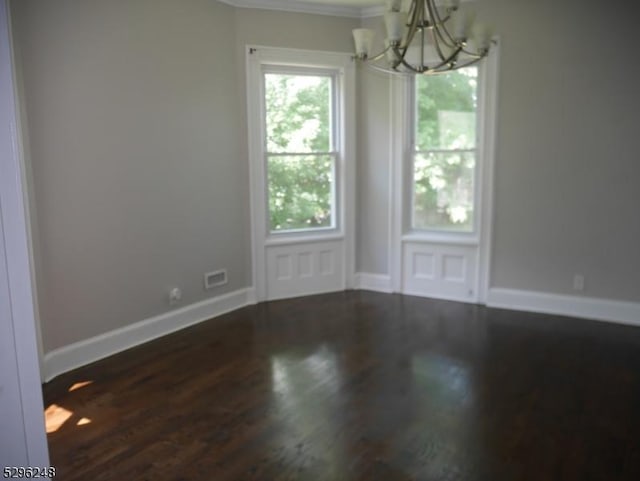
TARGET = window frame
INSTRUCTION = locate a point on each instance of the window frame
(257, 56)
(335, 130)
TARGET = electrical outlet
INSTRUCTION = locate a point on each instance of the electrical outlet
(578, 282)
(175, 296)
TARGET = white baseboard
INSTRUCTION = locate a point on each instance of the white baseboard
(252, 296)
(373, 282)
(440, 297)
(574, 306)
(90, 350)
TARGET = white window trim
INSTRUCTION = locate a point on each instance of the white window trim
(257, 57)
(400, 168)
(487, 146)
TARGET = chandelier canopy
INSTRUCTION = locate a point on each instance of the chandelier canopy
(423, 39)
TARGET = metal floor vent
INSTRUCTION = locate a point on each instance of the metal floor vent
(213, 279)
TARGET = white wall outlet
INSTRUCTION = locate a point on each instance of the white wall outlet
(175, 296)
(578, 282)
(214, 279)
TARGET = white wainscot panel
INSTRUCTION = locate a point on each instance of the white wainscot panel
(304, 268)
(305, 265)
(440, 271)
(283, 267)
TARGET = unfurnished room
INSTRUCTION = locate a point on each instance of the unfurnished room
(319, 240)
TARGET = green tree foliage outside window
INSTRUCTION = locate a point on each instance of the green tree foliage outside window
(445, 157)
(298, 121)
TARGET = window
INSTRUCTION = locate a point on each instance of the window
(300, 150)
(301, 126)
(445, 151)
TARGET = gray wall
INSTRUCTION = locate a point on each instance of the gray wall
(133, 123)
(567, 167)
(567, 171)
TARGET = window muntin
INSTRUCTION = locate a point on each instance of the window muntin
(445, 152)
(299, 149)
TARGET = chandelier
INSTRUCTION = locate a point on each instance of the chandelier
(423, 39)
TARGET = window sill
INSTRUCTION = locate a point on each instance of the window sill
(310, 237)
(462, 239)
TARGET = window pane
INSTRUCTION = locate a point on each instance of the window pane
(300, 191)
(444, 191)
(446, 110)
(298, 113)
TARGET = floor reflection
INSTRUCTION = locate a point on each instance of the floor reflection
(404, 393)
(306, 402)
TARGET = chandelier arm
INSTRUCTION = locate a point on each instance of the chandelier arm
(475, 55)
(446, 39)
(471, 62)
(422, 47)
(464, 65)
(379, 55)
(436, 68)
(412, 9)
(446, 30)
(447, 60)
(392, 71)
(416, 8)
(434, 37)
(409, 66)
(438, 24)
(439, 21)
(480, 53)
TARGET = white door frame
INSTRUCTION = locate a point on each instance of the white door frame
(256, 57)
(399, 156)
(21, 408)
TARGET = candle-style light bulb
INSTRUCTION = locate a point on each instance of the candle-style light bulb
(395, 23)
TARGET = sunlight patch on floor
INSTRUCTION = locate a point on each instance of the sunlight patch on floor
(55, 416)
(79, 385)
(83, 422)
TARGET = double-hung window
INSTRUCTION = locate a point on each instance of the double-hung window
(445, 152)
(300, 149)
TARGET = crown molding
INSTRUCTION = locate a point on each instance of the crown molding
(373, 11)
(298, 7)
(317, 8)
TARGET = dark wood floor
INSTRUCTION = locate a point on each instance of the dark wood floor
(358, 386)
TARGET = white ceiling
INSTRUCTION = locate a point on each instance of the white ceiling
(348, 3)
(347, 8)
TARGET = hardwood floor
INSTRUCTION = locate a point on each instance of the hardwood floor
(358, 386)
